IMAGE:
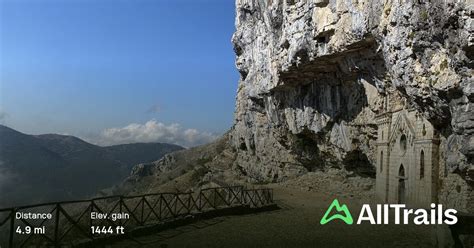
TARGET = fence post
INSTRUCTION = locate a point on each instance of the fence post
(215, 198)
(161, 201)
(200, 201)
(120, 209)
(12, 226)
(56, 226)
(189, 203)
(175, 205)
(143, 211)
(91, 209)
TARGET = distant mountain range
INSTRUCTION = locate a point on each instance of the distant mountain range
(39, 168)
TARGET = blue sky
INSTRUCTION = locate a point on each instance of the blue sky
(92, 67)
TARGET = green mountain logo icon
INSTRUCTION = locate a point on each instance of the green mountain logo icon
(345, 216)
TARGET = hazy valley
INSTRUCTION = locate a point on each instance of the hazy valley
(39, 168)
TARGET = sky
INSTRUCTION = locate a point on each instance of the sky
(118, 71)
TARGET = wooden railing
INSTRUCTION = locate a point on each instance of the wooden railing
(70, 222)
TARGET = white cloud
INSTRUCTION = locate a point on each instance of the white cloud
(154, 131)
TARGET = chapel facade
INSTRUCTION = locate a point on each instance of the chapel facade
(407, 159)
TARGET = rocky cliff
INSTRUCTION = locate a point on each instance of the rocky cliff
(315, 74)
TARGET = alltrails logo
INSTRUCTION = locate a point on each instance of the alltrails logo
(347, 217)
(435, 215)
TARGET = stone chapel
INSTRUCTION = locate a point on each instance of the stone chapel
(407, 159)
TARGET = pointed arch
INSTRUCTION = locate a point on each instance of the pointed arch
(401, 184)
(401, 171)
(403, 143)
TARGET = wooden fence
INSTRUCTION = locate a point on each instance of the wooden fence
(71, 221)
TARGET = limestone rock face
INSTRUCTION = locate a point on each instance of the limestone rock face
(315, 77)
(315, 73)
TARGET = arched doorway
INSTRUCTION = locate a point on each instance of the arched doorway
(401, 185)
